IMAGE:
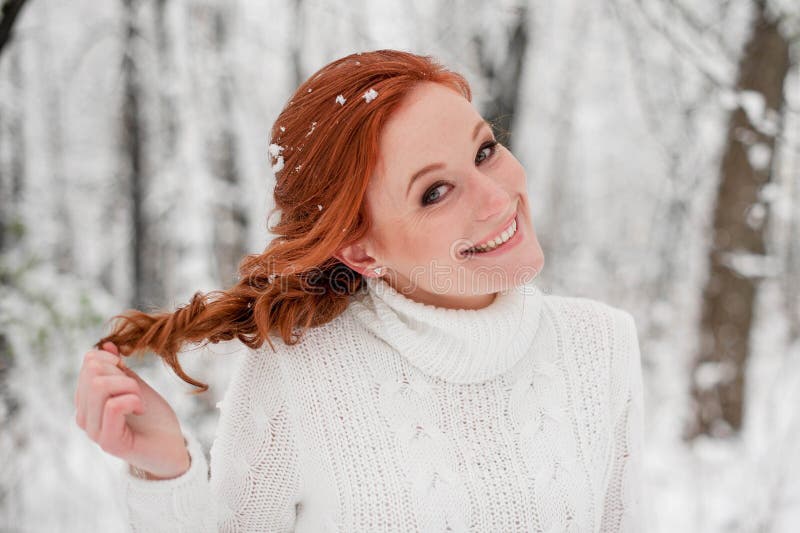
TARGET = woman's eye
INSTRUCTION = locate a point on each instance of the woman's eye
(429, 198)
(487, 150)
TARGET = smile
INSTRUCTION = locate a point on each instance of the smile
(495, 242)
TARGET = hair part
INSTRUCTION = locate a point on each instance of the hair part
(324, 147)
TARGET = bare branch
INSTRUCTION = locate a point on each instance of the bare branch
(680, 47)
(702, 28)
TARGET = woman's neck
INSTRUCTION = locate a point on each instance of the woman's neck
(444, 300)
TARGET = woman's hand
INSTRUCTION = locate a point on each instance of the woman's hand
(127, 417)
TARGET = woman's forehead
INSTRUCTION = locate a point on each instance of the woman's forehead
(434, 125)
(427, 108)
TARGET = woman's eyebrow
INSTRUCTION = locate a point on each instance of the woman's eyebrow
(478, 127)
(421, 172)
(435, 166)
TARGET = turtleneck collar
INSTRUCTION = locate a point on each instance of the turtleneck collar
(456, 345)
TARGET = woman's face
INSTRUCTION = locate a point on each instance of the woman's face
(442, 185)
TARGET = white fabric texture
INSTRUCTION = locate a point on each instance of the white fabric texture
(525, 415)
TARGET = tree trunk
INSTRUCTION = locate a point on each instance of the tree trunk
(296, 45)
(133, 152)
(230, 213)
(504, 79)
(12, 230)
(564, 199)
(9, 11)
(62, 204)
(717, 387)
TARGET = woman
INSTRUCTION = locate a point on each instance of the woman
(416, 380)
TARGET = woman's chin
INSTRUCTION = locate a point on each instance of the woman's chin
(530, 266)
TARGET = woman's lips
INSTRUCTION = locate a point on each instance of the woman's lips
(510, 243)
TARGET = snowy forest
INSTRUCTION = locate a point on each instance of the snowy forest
(661, 140)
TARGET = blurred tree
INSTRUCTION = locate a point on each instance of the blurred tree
(230, 213)
(164, 149)
(503, 75)
(684, 81)
(12, 172)
(12, 175)
(737, 253)
(132, 151)
(563, 194)
(11, 233)
(12, 229)
(9, 11)
(11, 138)
(296, 44)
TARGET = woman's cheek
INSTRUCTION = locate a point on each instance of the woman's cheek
(513, 169)
(516, 172)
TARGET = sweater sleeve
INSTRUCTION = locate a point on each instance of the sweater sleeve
(623, 505)
(253, 483)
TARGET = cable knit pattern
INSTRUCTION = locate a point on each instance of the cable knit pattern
(525, 415)
(256, 451)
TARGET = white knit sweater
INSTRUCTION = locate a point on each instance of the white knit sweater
(526, 415)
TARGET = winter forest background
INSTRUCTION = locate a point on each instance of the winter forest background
(662, 144)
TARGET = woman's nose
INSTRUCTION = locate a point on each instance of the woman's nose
(489, 197)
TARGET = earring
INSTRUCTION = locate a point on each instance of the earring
(377, 270)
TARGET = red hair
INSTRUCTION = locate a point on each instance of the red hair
(324, 147)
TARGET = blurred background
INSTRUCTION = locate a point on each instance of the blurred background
(662, 144)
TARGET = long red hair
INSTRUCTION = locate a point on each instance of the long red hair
(323, 147)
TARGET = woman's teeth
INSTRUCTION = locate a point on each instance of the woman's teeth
(497, 241)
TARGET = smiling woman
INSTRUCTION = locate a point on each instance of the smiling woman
(432, 386)
(470, 192)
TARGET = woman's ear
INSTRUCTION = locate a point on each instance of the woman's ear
(356, 257)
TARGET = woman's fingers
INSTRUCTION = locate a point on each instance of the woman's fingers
(95, 363)
(115, 437)
(109, 346)
(102, 390)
